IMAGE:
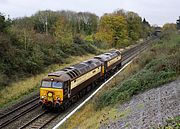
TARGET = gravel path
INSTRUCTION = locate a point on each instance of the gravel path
(148, 110)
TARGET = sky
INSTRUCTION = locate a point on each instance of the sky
(157, 12)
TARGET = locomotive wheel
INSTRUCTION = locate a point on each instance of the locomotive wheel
(64, 106)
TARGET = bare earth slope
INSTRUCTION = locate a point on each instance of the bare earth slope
(150, 109)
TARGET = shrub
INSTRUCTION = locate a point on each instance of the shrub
(32, 55)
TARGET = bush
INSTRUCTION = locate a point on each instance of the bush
(32, 56)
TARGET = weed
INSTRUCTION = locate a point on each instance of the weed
(172, 123)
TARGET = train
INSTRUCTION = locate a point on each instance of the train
(59, 89)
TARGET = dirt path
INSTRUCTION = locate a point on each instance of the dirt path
(148, 110)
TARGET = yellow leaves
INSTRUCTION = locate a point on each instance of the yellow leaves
(112, 30)
(169, 27)
(89, 38)
(104, 35)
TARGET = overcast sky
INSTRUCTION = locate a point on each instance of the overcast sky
(155, 11)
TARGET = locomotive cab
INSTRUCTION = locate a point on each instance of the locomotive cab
(51, 93)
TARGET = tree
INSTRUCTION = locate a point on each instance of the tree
(104, 37)
(45, 20)
(146, 29)
(4, 23)
(178, 23)
(169, 27)
(115, 28)
(63, 32)
(134, 25)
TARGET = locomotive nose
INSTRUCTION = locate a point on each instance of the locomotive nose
(50, 96)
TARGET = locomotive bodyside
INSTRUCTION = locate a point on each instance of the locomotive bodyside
(110, 60)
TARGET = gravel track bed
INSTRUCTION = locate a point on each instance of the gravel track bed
(24, 119)
(18, 112)
(65, 113)
(18, 103)
(148, 110)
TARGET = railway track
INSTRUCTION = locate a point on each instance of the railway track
(42, 119)
(18, 112)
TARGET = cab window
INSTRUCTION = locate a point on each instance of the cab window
(57, 84)
(65, 88)
(46, 84)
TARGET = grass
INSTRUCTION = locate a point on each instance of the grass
(157, 66)
(87, 118)
(172, 123)
(18, 90)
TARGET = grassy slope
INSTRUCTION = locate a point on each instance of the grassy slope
(159, 65)
(18, 90)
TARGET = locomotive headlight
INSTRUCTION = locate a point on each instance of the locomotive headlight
(43, 97)
(50, 94)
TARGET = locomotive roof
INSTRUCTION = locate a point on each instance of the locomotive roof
(74, 71)
(108, 56)
(61, 76)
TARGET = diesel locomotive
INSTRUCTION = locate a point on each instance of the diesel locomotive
(61, 88)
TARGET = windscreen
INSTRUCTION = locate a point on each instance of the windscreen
(48, 84)
(57, 84)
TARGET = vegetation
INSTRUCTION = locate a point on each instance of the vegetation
(158, 68)
(121, 28)
(152, 69)
(10, 94)
(168, 29)
(172, 123)
(30, 44)
(26, 48)
(178, 23)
